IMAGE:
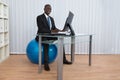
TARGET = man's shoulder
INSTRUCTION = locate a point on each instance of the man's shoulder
(40, 15)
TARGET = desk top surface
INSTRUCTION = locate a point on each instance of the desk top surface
(67, 39)
(63, 35)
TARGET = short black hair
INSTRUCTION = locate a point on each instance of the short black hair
(47, 5)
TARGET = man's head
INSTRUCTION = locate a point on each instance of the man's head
(47, 9)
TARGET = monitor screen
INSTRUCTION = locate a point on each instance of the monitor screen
(68, 23)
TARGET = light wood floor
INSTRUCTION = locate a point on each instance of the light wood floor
(104, 67)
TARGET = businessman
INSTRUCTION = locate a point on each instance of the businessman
(45, 24)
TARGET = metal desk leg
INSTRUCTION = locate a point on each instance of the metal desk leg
(72, 49)
(40, 56)
(90, 49)
(60, 59)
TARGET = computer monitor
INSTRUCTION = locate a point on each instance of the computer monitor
(68, 22)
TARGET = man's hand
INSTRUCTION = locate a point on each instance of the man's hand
(55, 31)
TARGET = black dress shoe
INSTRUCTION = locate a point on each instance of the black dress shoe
(66, 62)
(46, 67)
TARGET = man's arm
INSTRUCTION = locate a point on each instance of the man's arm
(54, 28)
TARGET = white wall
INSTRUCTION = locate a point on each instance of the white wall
(100, 17)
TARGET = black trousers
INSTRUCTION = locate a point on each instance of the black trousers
(46, 48)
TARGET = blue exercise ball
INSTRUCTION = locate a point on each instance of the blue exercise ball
(32, 51)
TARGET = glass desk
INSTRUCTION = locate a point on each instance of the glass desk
(60, 43)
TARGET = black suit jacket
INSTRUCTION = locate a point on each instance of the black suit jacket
(43, 26)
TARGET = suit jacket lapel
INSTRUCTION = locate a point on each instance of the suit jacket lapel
(45, 20)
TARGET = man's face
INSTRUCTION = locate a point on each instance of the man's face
(47, 9)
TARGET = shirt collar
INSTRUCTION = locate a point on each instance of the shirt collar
(46, 15)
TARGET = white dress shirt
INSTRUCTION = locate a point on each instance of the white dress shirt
(50, 24)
